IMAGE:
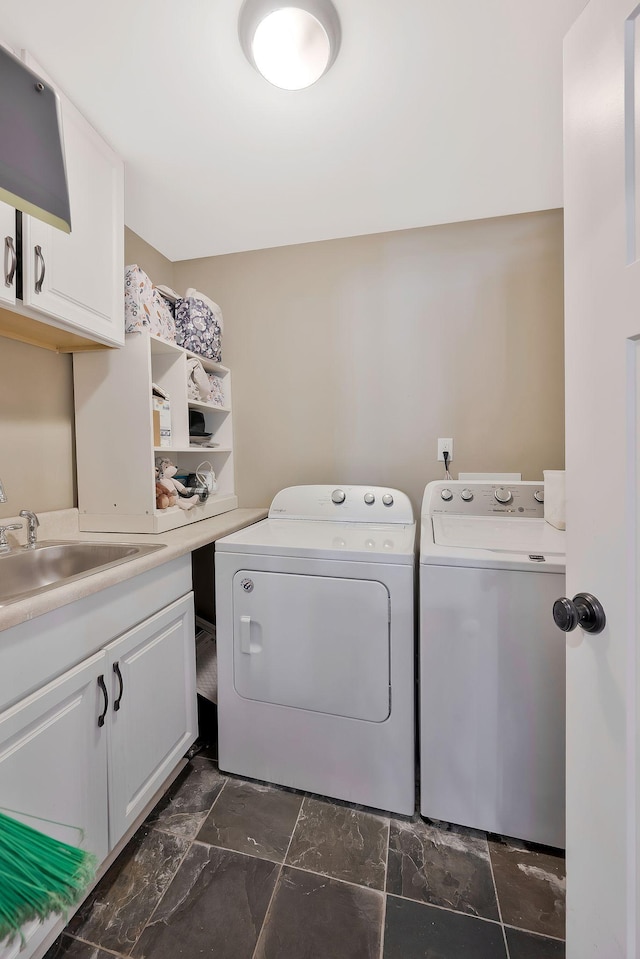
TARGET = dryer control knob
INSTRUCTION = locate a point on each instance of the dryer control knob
(503, 495)
(466, 495)
(338, 496)
(387, 499)
(446, 495)
(369, 498)
(538, 495)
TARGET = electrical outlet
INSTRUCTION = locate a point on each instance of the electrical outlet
(445, 445)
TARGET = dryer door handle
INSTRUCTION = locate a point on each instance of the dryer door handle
(245, 634)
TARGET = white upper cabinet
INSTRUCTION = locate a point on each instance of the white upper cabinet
(77, 279)
(9, 256)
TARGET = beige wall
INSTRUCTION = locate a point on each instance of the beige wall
(37, 464)
(154, 264)
(36, 428)
(350, 357)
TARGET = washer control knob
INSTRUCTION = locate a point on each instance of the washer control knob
(338, 496)
(446, 495)
(538, 495)
(466, 495)
(369, 498)
(503, 495)
(387, 499)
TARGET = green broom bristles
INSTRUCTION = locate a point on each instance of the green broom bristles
(38, 875)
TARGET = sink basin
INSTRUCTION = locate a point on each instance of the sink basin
(27, 572)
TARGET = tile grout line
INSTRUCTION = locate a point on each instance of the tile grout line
(95, 945)
(384, 890)
(434, 905)
(495, 889)
(182, 859)
(313, 872)
(356, 885)
(533, 932)
(275, 885)
(295, 826)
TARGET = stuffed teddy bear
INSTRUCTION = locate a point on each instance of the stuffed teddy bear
(163, 498)
(165, 472)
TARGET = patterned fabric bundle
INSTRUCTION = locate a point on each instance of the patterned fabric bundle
(145, 307)
(217, 393)
(198, 329)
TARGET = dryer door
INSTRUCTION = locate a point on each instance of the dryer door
(312, 642)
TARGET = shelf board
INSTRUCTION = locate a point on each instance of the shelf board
(192, 449)
(195, 405)
(209, 365)
(158, 345)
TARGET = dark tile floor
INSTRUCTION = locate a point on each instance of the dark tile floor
(229, 869)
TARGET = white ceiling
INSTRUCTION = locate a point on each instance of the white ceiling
(435, 111)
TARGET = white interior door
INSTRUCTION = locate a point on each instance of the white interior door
(312, 642)
(602, 232)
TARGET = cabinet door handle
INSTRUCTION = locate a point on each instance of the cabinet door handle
(9, 257)
(43, 269)
(103, 687)
(118, 700)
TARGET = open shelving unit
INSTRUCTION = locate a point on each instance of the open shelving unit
(114, 436)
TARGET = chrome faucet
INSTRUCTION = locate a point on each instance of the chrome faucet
(3, 495)
(32, 527)
(4, 545)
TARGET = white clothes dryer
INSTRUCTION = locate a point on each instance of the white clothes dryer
(492, 664)
(315, 635)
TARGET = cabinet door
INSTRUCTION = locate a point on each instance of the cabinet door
(83, 271)
(154, 712)
(8, 255)
(53, 766)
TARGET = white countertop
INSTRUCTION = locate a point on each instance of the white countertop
(63, 525)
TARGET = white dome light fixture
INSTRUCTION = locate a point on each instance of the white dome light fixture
(292, 44)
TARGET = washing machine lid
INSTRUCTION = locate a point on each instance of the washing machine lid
(355, 542)
(507, 542)
(506, 535)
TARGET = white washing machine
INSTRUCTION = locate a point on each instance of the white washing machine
(315, 634)
(492, 663)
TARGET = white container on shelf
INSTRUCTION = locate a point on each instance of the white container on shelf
(555, 500)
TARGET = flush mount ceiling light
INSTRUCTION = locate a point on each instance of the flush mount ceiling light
(291, 44)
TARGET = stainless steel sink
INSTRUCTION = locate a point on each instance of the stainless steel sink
(27, 572)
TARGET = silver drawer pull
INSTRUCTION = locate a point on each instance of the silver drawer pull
(9, 258)
(39, 279)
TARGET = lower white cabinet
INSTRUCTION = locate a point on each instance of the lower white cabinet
(53, 769)
(53, 759)
(152, 711)
(82, 756)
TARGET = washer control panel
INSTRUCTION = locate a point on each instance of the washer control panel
(348, 504)
(523, 498)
